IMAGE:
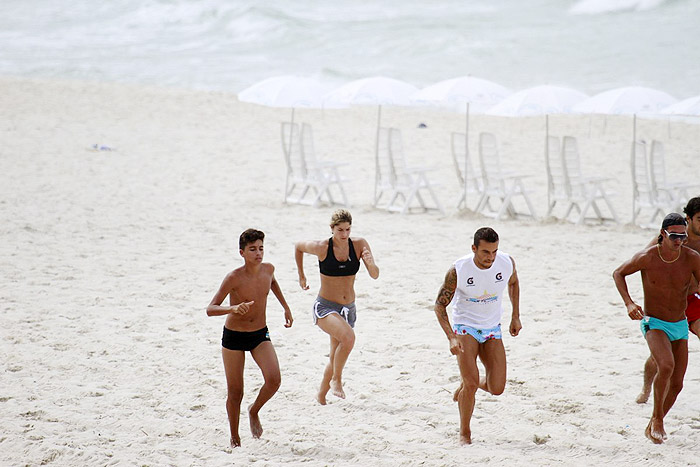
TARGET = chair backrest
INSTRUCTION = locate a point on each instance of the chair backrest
(641, 183)
(463, 162)
(292, 149)
(386, 174)
(556, 175)
(396, 151)
(489, 159)
(657, 166)
(572, 166)
(307, 144)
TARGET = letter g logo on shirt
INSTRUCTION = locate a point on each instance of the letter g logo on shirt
(499, 277)
(470, 281)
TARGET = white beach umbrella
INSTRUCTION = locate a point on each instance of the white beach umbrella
(690, 106)
(626, 101)
(539, 100)
(455, 93)
(285, 91)
(377, 90)
(465, 93)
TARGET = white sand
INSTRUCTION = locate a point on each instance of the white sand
(108, 260)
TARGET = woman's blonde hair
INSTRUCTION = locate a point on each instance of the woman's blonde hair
(340, 216)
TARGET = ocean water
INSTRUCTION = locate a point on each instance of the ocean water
(591, 45)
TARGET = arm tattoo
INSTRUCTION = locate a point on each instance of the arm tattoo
(447, 290)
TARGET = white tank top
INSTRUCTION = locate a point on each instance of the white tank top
(478, 298)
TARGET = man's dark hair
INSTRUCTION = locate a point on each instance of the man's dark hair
(671, 219)
(250, 236)
(693, 207)
(486, 234)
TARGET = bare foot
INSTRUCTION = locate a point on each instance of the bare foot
(465, 438)
(654, 435)
(323, 390)
(337, 389)
(455, 396)
(235, 441)
(643, 396)
(255, 426)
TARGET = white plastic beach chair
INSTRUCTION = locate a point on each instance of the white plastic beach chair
(499, 185)
(328, 168)
(643, 193)
(465, 169)
(583, 192)
(674, 194)
(306, 175)
(397, 182)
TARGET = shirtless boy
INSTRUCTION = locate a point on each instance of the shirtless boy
(692, 312)
(667, 270)
(245, 329)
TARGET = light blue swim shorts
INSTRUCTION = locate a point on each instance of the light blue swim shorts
(674, 330)
(481, 335)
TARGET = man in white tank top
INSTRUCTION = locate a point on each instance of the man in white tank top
(474, 286)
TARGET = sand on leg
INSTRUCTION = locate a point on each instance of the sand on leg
(469, 372)
(649, 373)
(327, 373)
(234, 362)
(660, 348)
(493, 355)
(341, 332)
(266, 358)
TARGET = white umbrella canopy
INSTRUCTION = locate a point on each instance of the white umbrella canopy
(285, 91)
(539, 100)
(377, 90)
(690, 106)
(455, 93)
(626, 101)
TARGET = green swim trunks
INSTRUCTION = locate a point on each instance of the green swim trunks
(674, 330)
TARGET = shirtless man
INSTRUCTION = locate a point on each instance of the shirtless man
(245, 329)
(692, 312)
(667, 270)
(474, 285)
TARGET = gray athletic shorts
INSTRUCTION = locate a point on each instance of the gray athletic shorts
(323, 308)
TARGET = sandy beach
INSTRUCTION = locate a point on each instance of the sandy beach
(108, 259)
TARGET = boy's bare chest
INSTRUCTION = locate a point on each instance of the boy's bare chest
(253, 287)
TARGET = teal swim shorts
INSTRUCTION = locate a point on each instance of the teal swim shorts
(675, 331)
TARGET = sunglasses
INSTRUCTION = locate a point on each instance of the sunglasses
(676, 236)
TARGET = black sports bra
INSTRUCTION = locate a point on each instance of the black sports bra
(332, 267)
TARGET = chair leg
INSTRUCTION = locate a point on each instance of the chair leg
(505, 205)
(407, 203)
(612, 211)
(286, 187)
(527, 200)
(462, 204)
(420, 199)
(435, 199)
(571, 207)
(394, 196)
(319, 194)
(483, 200)
(582, 216)
(342, 193)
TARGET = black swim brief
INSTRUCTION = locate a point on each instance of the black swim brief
(242, 340)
